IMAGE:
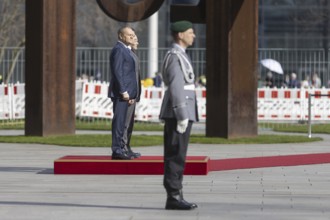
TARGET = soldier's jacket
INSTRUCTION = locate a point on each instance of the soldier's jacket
(180, 97)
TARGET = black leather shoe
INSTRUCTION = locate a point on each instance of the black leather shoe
(175, 201)
(134, 154)
(129, 152)
(121, 156)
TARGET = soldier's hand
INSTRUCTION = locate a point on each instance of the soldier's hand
(182, 126)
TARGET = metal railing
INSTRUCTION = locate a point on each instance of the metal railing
(93, 63)
(12, 64)
(303, 62)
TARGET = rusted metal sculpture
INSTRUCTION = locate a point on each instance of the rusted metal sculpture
(50, 67)
(128, 12)
(231, 72)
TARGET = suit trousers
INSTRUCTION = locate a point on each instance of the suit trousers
(120, 108)
(175, 152)
(129, 123)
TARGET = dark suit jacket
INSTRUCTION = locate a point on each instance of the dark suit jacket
(123, 73)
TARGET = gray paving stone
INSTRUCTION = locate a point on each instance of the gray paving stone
(30, 190)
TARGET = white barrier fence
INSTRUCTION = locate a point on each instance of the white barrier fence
(292, 104)
(95, 103)
(92, 101)
(12, 101)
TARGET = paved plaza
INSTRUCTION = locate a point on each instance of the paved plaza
(30, 191)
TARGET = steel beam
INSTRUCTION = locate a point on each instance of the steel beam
(50, 67)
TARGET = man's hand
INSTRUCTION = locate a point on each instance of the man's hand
(182, 126)
(125, 96)
(131, 101)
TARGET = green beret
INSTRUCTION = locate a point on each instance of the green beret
(181, 26)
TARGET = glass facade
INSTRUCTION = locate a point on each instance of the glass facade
(294, 23)
(282, 24)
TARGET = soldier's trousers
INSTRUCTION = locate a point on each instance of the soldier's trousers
(175, 151)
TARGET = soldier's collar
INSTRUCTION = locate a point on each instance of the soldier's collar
(179, 47)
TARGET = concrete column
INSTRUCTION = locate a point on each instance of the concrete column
(50, 67)
(153, 45)
(232, 33)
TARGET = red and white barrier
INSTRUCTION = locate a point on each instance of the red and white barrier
(79, 93)
(279, 104)
(201, 103)
(292, 104)
(150, 103)
(320, 106)
(5, 102)
(92, 101)
(18, 101)
(95, 101)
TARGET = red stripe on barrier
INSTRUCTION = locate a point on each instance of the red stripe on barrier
(274, 94)
(261, 94)
(95, 113)
(287, 94)
(274, 116)
(160, 94)
(146, 94)
(6, 90)
(261, 116)
(204, 93)
(317, 116)
(15, 90)
(317, 94)
(97, 90)
(298, 94)
(86, 88)
(108, 113)
(287, 116)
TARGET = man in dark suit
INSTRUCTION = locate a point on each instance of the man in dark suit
(123, 91)
(179, 111)
(129, 123)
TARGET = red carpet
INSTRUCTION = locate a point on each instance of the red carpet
(145, 165)
(269, 161)
(196, 165)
